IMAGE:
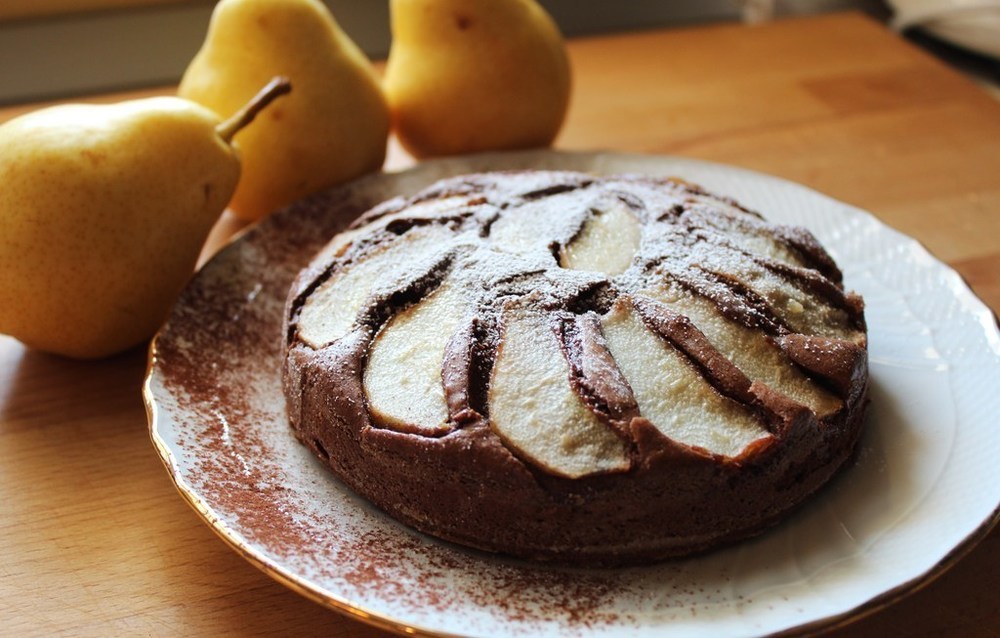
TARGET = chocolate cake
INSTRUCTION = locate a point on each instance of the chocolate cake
(589, 370)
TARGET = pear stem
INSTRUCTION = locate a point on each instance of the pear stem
(277, 87)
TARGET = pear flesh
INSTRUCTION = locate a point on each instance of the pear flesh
(537, 413)
(104, 211)
(466, 76)
(672, 394)
(332, 129)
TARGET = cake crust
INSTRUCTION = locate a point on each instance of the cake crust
(698, 372)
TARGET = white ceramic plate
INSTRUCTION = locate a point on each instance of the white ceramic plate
(926, 484)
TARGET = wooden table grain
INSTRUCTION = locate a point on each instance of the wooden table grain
(95, 542)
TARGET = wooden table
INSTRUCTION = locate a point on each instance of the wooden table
(93, 538)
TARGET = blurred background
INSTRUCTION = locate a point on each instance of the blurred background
(52, 49)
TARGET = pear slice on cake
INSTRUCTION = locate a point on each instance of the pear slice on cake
(403, 379)
(536, 411)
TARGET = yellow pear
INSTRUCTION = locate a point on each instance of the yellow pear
(332, 129)
(103, 212)
(475, 75)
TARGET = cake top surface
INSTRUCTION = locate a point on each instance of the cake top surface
(562, 308)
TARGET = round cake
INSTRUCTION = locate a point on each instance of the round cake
(576, 368)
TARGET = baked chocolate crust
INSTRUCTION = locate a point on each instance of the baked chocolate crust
(474, 263)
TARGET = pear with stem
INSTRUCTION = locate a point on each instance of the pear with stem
(104, 210)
